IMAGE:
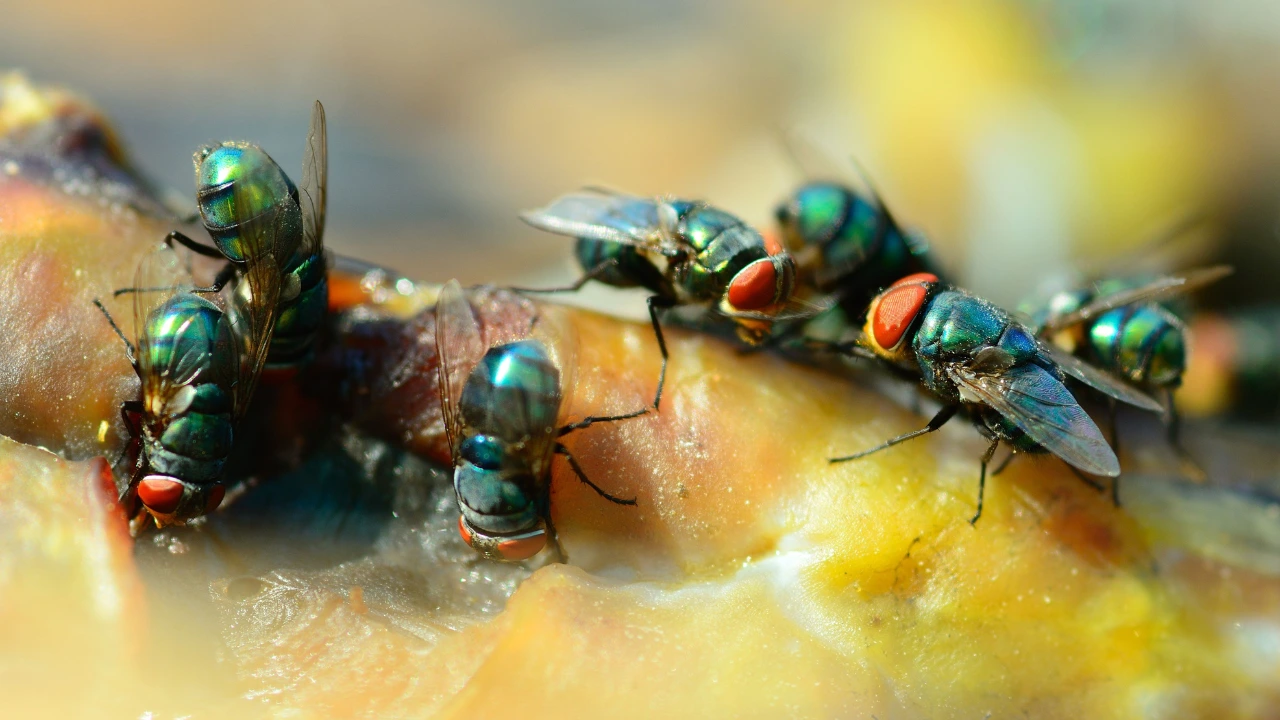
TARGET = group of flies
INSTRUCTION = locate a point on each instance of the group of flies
(838, 252)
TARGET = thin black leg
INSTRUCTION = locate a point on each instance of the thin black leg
(139, 466)
(982, 478)
(1003, 463)
(1086, 479)
(590, 420)
(195, 247)
(577, 469)
(554, 539)
(129, 349)
(220, 281)
(1114, 410)
(129, 410)
(853, 348)
(587, 277)
(938, 421)
(1173, 430)
(131, 290)
(657, 303)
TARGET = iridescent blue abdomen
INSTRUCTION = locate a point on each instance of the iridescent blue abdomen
(510, 400)
(629, 268)
(493, 490)
(298, 319)
(1145, 343)
(192, 437)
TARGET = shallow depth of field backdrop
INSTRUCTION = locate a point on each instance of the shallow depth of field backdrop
(1028, 131)
(1022, 136)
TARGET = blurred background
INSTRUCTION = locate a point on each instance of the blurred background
(1020, 135)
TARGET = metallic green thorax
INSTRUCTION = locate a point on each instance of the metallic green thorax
(859, 249)
(955, 326)
(190, 441)
(222, 168)
(724, 245)
(509, 407)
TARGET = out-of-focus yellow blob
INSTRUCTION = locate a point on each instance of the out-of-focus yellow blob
(751, 578)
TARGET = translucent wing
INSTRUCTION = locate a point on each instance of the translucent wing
(458, 348)
(606, 215)
(818, 163)
(1042, 406)
(168, 363)
(256, 292)
(793, 309)
(1155, 291)
(560, 341)
(313, 195)
(1100, 381)
(356, 267)
(1180, 242)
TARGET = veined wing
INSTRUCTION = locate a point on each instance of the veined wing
(1042, 406)
(256, 292)
(458, 348)
(168, 362)
(1100, 381)
(313, 194)
(1158, 290)
(539, 414)
(560, 340)
(606, 215)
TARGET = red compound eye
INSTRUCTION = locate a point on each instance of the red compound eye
(160, 494)
(916, 278)
(522, 548)
(894, 311)
(755, 286)
(215, 498)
